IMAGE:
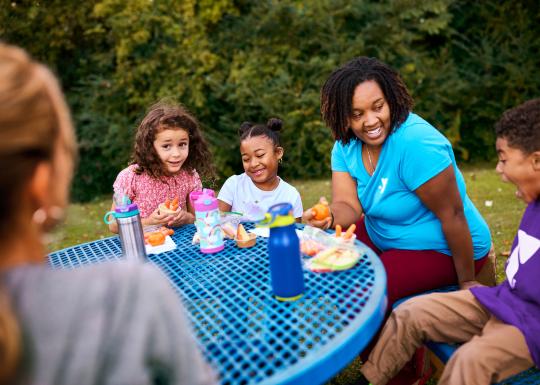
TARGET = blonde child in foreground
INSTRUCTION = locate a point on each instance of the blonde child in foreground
(498, 327)
(168, 147)
(259, 187)
(110, 323)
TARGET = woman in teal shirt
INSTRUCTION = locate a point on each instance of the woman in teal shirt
(395, 176)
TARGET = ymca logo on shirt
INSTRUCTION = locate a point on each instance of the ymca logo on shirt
(527, 246)
(382, 186)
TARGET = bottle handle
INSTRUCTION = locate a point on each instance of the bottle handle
(107, 216)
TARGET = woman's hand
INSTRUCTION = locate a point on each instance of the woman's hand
(308, 217)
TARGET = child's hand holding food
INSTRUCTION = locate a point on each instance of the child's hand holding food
(169, 206)
(157, 218)
(182, 217)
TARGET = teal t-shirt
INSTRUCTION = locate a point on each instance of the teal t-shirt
(395, 217)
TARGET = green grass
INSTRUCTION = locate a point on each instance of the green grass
(484, 185)
(85, 222)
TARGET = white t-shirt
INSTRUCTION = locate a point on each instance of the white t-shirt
(240, 192)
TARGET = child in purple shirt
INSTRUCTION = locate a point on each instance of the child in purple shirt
(498, 327)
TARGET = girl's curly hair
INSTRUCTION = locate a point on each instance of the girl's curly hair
(337, 93)
(167, 115)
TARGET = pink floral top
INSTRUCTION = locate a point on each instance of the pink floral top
(149, 192)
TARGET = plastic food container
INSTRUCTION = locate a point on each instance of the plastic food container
(231, 217)
(247, 243)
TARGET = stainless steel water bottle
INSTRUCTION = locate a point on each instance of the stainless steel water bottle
(130, 231)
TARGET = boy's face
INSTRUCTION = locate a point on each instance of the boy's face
(521, 169)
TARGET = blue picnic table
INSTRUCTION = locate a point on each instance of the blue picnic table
(245, 334)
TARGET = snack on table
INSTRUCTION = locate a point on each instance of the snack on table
(245, 239)
(228, 230)
(310, 247)
(333, 259)
(196, 238)
(241, 233)
(313, 240)
(169, 206)
(321, 210)
(229, 223)
(156, 238)
(348, 236)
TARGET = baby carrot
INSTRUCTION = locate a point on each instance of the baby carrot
(350, 231)
(338, 230)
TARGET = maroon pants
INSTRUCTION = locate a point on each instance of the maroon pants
(411, 272)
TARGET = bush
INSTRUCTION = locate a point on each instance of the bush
(231, 61)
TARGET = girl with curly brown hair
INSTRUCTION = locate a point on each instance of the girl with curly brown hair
(168, 146)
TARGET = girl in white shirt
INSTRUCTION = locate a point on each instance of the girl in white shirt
(259, 187)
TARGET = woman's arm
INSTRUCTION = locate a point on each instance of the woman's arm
(345, 208)
(441, 195)
(345, 205)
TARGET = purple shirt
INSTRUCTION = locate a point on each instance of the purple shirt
(516, 301)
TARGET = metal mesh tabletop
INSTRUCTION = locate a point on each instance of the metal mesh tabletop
(247, 335)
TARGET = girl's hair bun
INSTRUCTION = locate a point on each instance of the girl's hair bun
(270, 129)
(244, 127)
(275, 124)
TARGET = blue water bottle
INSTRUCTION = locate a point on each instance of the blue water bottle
(286, 272)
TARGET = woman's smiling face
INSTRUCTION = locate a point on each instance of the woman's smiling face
(370, 119)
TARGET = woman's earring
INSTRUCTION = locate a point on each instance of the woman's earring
(280, 160)
(53, 215)
(39, 217)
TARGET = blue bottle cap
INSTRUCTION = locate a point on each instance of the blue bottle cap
(278, 215)
(281, 209)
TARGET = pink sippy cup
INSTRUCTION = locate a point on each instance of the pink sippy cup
(207, 220)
